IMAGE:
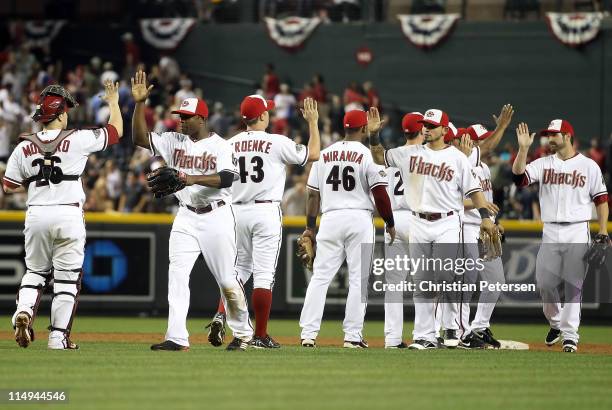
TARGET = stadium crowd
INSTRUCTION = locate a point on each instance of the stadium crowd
(115, 179)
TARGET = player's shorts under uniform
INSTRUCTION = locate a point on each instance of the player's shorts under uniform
(344, 176)
(435, 183)
(54, 225)
(493, 271)
(262, 161)
(205, 225)
(567, 190)
(394, 306)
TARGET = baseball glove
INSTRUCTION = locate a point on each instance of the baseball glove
(490, 246)
(306, 249)
(596, 255)
(165, 181)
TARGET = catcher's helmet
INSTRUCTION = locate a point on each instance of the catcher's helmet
(53, 101)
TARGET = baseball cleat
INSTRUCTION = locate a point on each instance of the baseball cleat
(238, 344)
(264, 343)
(362, 344)
(569, 346)
(399, 346)
(309, 343)
(553, 336)
(422, 345)
(487, 337)
(450, 338)
(23, 333)
(216, 332)
(471, 341)
(170, 346)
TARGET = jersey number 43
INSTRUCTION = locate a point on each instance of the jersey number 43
(257, 174)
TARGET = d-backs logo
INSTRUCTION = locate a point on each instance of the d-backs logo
(441, 172)
(574, 179)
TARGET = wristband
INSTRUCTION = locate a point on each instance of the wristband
(311, 223)
(484, 213)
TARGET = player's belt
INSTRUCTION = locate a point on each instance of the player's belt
(257, 201)
(71, 204)
(432, 217)
(207, 208)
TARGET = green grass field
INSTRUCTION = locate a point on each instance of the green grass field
(113, 375)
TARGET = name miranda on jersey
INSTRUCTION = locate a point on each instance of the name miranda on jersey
(204, 162)
(349, 156)
(575, 179)
(442, 172)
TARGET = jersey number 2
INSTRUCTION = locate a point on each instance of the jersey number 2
(399, 188)
(347, 181)
(257, 175)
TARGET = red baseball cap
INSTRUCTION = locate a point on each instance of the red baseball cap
(556, 126)
(410, 122)
(355, 119)
(478, 132)
(435, 117)
(193, 106)
(254, 105)
(451, 134)
(461, 132)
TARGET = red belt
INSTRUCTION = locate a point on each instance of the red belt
(432, 217)
(207, 208)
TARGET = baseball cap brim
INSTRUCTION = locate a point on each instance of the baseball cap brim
(485, 135)
(549, 131)
(183, 112)
(423, 121)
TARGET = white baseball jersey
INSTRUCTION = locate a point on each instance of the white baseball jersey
(345, 175)
(434, 181)
(474, 156)
(483, 174)
(262, 160)
(72, 153)
(204, 157)
(395, 189)
(567, 188)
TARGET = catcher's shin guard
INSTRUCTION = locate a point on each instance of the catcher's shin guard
(30, 292)
(66, 289)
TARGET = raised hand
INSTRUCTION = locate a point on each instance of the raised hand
(374, 122)
(505, 116)
(140, 91)
(466, 145)
(310, 111)
(111, 92)
(522, 134)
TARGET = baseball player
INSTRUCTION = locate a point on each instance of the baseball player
(342, 184)
(568, 183)
(478, 334)
(200, 172)
(394, 309)
(436, 178)
(263, 159)
(48, 166)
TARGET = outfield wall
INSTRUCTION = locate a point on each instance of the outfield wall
(126, 268)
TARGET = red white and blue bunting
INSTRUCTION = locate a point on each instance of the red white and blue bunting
(574, 29)
(36, 33)
(290, 33)
(427, 30)
(166, 34)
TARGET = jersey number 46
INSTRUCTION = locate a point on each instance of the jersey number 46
(347, 181)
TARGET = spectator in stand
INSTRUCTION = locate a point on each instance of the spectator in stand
(109, 74)
(525, 202)
(132, 51)
(306, 92)
(114, 181)
(284, 103)
(5, 139)
(218, 121)
(270, 82)
(373, 100)
(186, 90)
(543, 150)
(134, 195)
(354, 98)
(319, 92)
(294, 199)
(597, 154)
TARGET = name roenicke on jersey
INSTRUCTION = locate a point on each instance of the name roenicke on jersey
(262, 159)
